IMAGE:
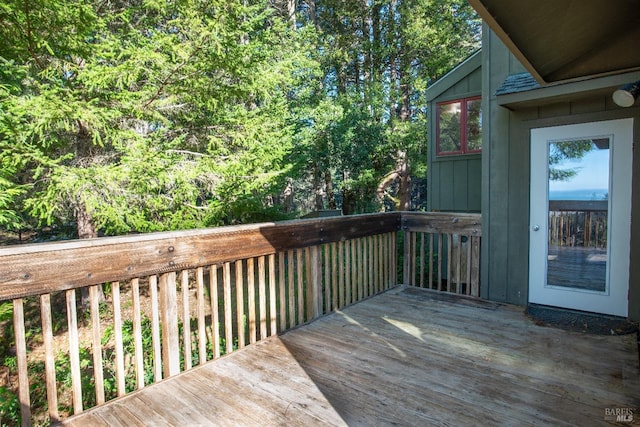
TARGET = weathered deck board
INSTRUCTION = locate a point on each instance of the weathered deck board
(577, 267)
(406, 357)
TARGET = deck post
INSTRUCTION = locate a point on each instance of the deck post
(169, 320)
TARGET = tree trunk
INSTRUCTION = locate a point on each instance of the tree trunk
(393, 66)
(328, 182)
(291, 10)
(311, 7)
(401, 174)
(288, 193)
(317, 187)
(86, 230)
(404, 184)
(86, 227)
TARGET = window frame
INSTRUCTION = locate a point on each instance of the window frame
(463, 127)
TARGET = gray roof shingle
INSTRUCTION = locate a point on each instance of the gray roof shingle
(515, 83)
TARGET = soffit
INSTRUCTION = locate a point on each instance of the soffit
(561, 40)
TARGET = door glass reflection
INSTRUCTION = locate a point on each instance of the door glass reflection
(578, 214)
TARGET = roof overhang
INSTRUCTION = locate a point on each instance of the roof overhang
(564, 92)
(565, 40)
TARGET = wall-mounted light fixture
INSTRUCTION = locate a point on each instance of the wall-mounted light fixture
(626, 96)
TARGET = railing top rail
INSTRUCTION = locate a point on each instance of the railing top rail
(36, 269)
(578, 205)
(443, 222)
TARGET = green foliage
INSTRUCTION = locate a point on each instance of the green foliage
(154, 116)
(9, 408)
(362, 132)
(160, 115)
(563, 151)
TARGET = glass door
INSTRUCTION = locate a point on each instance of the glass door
(578, 210)
(580, 216)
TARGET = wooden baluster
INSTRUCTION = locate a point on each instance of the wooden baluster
(262, 297)
(341, 268)
(117, 332)
(380, 285)
(334, 277)
(363, 271)
(475, 266)
(363, 277)
(422, 256)
(315, 285)
(385, 249)
(94, 298)
(137, 333)
(21, 359)
(440, 261)
(228, 329)
(431, 266)
(282, 287)
(74, 351)
(202, 324)
(49, 361)
(376, 265)
(308, 285)
(392, 260)
(347, 272)
(449, 256)
(406, 267)
(468, 280)
(300, 280)
(169, 316)
(292, 294)
(413, 265)
(215, 313)
(385, 256)
(251, 299)
(240, 304)
(458, 264)
(326, 251)
(186, 319)
(353, 283)
(155, 328)
(370, 266)
(272, 294)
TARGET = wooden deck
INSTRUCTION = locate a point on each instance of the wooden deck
(577, 267)
(406, 357)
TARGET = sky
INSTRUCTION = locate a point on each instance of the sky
(593, 173)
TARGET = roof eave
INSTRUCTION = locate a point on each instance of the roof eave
(566, 91)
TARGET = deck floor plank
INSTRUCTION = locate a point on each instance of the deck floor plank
(406, 357)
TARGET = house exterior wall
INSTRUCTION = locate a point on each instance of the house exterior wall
(453, 183)
(506, 172)
(505, 196)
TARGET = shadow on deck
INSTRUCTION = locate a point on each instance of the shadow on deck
(405, 357)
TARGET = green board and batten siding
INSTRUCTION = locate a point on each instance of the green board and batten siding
(454, 181)
(505, 168)
(505, 194)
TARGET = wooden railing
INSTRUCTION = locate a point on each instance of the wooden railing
(578, 223)
(96, 319)
(442, 251)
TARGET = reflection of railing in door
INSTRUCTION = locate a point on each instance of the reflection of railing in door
(578, 223)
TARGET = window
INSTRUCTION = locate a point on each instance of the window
(459, 126)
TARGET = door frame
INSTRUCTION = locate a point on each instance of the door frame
(614, 300)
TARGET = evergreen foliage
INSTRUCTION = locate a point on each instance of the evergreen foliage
(127, 116)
